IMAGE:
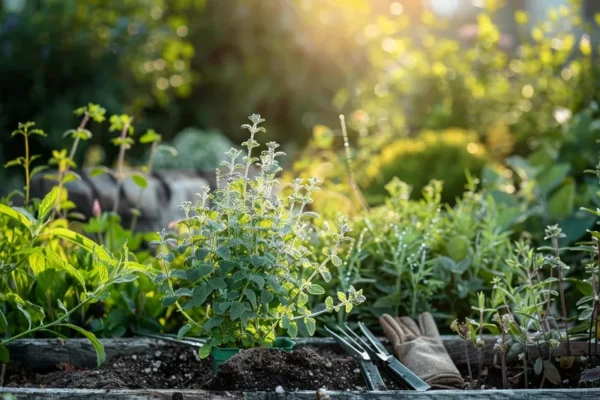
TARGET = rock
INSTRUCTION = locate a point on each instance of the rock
(158, 204)
(279, 389)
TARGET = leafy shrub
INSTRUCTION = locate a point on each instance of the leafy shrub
(422, 255)
(50, 275)
(246, 263)
(197, 150)
(444, 156)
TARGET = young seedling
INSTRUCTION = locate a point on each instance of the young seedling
(466, 332)
(479, 342)
(554, 233)
(501, 346)
(26, 130)
(65, 162)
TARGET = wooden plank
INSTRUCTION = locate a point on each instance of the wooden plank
(45, 354)
(87, 394)
(106, 394)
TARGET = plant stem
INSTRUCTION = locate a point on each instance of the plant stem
(562, 295)
(26, 166)
(503, 359)
(120, 162)
(351, 180)
(469, 363)
(525, 359)
(61, 173)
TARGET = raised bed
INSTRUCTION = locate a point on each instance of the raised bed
(77, 353)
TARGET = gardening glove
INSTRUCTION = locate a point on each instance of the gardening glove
(421, 350)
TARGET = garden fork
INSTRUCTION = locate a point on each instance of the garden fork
(377, 351)
(356, 351)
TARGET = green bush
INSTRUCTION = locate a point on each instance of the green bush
(445, 156)
(196, 150)
(245, 262)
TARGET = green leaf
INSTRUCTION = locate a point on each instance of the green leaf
(266, 297)
(217, 283)
(258, 261)
(315, 289)
(325, 274)
(224, 252)
(213, 322)
(458, 247)
(259, 280)
(57, 262)
(237, 309)
(17, 216)
(285, 322)
(71, 176)
(552, 373)
(538, 366)
(184, 330)
(4, 354)
(341, 296)
(149, 137)
(183, 292)
(302, 299)
(221, 308)
(169, 301)
(84, 243)
(48, 203)
(329, 303)
(98, 171)
(292, 330)
(194, 274)
(139, 180)
(310, 324)
(37, 262)
(251, 297)
(204, 351)
(200, 294)
(348, 307)
(100, 355)
(337, 261)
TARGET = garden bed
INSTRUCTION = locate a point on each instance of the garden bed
(148, 368)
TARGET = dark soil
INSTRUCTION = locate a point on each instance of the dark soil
(171, 367)
(178, 367)
(266, 369)
(491, 377)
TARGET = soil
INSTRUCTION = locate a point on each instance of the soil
(259, 369)
(179, 367)
(491, 377)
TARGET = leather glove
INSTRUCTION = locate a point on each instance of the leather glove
(421, 350)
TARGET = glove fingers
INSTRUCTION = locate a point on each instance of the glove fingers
(428, 327)
(408, 334)
(392, 330)
(409, 326)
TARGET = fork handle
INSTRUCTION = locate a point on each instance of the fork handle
(372, 376)
(405, 376)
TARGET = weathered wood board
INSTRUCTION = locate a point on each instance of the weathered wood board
(63, 394)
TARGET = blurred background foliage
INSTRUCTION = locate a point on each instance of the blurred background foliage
(432, 89)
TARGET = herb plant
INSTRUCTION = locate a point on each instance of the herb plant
(245, 255)
(39, 253)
